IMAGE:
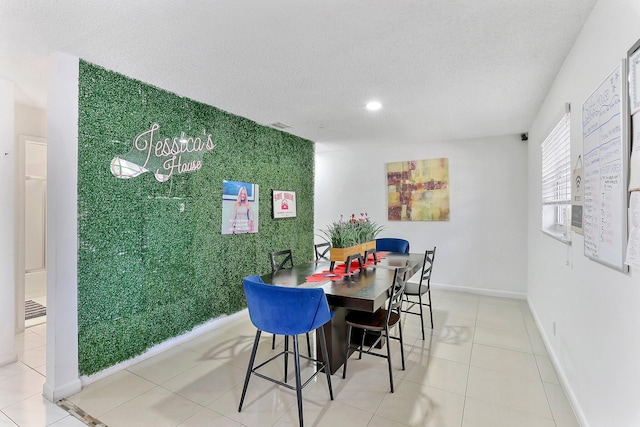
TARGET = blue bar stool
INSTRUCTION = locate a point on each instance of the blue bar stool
(279, 261)
(290, 312)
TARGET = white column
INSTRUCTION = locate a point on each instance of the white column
(62, 236)
(7, 223)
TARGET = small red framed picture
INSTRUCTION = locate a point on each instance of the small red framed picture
(284, 204)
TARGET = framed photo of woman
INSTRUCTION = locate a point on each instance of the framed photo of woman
(239, 207)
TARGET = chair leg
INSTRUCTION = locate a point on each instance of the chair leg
(346, 354)
(364, 332)
(430, 309)
(298, 380)
(250, 368)
(286, 355)
(421, 316)
(386, 333)
(325, 356)
(401, 343)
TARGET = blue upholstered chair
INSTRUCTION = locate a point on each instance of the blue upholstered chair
(290, 312)
(279, 261)
(390, 244)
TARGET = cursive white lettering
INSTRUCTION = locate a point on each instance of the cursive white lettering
(147, 142)
(168, 152)
(174, 164)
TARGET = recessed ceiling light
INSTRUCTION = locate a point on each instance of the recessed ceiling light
(374, 105)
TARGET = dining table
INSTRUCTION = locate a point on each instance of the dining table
(364, 289)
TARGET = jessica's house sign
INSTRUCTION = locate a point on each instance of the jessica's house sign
(163, 157)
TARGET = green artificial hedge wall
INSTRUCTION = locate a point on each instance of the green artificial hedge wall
(152, 262)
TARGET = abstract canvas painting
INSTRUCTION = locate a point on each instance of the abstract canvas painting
(418, 190)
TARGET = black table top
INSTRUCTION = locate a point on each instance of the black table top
(364, 290)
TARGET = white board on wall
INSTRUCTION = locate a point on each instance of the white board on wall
(605, 142)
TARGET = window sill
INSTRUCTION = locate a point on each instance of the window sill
(558, 236)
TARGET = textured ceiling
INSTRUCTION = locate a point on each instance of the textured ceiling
(443, 69)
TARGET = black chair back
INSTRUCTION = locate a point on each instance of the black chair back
(420, 289)
(381, 321)
(396, 291)
(427, 266)
(322, 251)
(281, 259)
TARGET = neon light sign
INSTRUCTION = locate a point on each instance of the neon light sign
(163, 156)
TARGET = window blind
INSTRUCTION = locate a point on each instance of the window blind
(556, 165)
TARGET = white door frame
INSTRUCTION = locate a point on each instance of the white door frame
(20, 270)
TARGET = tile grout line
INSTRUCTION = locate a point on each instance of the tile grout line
(535, 358)
(473, 343)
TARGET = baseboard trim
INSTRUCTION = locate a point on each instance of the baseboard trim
(9, 358)
(480, 291)
(61, 391)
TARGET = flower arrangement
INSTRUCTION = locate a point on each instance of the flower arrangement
(355, 231)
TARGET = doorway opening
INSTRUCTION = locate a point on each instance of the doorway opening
(32, 205)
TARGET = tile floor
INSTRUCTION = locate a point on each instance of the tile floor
(21, 401)
(483, 365)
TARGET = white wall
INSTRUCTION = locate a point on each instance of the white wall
(62, 229)
(31, 121)
(482, 247)
(596, 347)
(7, 250)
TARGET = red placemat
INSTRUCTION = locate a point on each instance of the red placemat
(339, 270)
